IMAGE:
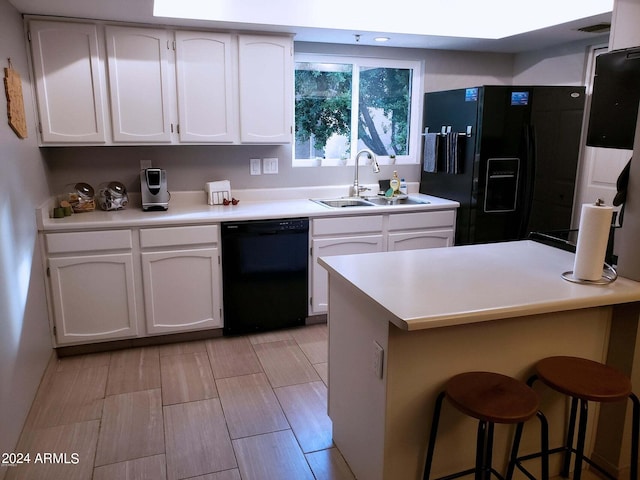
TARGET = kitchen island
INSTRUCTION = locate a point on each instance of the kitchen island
(402, 323)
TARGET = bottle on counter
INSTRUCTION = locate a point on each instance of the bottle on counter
(404, 189)
(395, 183)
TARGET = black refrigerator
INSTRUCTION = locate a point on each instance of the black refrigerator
(507, 154)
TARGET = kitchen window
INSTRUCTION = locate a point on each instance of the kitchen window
(345, 104)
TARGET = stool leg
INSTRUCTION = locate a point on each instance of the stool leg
(582, 433)
(544, 450)
(481, 440)
(488, 453)
(635, 433)
(514, 451)
(544, 444)
(569, 442)
(432, 436)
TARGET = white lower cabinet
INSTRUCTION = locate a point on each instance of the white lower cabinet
(181, 278)
(339, 236)
(92, 294)
(413, 231)
(373, 233)
(103, 287)
(326, 247)
(419, 240)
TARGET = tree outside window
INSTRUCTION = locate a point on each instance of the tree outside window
(323, 109)
(339, 105)
(385, 99)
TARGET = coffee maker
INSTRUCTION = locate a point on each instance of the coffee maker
(153, 187)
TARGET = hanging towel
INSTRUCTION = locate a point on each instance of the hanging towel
(430, 163)
(452, 153)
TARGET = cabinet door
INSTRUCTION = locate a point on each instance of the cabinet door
(419, 240)
(266, 89)
(93, 298)
(207, 106)
(181, 290)
(326, 247)
(69, 78)
(139, 84)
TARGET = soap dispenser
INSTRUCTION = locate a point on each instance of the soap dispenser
(395, 183)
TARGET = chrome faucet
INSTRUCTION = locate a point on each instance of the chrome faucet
(356, 189)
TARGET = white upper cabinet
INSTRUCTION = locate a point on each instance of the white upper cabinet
(207, 97)
(69, 82)
(164, 86)
(266, 88)
(139, 84)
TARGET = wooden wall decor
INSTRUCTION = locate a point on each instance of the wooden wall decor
(15, 102)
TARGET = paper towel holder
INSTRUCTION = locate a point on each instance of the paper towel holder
(609, 275)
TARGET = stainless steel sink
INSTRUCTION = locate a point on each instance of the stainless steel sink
(380, 200)
(344, 202)
(368, 202)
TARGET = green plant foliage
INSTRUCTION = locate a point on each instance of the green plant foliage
(385, 89)
(323, 107)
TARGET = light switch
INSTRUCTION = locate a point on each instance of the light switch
(255, 166)
(270, 166)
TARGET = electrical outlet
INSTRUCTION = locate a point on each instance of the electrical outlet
(270, 166)
(377, 359)
(144, 164)
(256, 165)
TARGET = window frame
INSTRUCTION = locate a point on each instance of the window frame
(415, 116)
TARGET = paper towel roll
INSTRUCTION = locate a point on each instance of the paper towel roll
(593, 236)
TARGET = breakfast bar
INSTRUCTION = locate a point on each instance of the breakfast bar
(402, 323)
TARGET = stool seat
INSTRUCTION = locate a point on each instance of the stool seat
(584, 379)
(492, 397)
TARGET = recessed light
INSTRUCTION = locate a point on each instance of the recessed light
(382, 39)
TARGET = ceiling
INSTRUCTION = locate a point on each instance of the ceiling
(141, 11)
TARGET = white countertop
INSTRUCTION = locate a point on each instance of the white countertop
(459, 285)
(190, 208)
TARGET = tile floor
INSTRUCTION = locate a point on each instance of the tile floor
(250, 408)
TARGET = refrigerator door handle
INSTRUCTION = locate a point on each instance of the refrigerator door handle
(530, 178)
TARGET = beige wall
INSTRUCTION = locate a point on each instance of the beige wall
(25, 345)
(560, 65)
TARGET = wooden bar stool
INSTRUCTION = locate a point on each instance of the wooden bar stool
(491, 398)
(585, 380)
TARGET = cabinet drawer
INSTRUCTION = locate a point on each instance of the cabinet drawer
(410, 221)
(88, 241)
(347, 225)
(173, 236)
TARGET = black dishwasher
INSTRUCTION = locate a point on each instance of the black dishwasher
(264, 274)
